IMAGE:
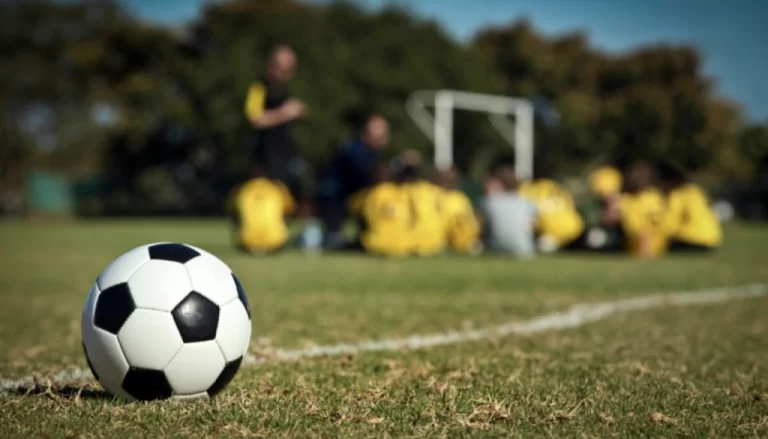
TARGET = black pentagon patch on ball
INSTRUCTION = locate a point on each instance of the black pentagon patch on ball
(147, 385)
(196, 318)
(241, 295)
(173, 252)
(90, 365)
(113, 307)
(225, 377)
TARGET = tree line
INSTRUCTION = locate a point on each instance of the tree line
(88, 89)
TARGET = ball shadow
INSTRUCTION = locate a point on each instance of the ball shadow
(66, 392)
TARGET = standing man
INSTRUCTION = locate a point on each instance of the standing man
(271, 110)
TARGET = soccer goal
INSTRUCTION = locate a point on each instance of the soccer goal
(511, 117)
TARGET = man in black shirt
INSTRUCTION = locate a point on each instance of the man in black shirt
(270, 110)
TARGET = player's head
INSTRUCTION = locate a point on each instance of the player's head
(493, 186)
(408, 166)
(670, 175)
(408, 173)
(382, 172)
(503, 170)
(640, 175)
(411, 157)
(375, 131)
(282, 64)
(448, 178)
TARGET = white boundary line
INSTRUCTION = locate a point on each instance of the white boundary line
(578, 315)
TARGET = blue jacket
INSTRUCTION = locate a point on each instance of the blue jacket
(350, 170)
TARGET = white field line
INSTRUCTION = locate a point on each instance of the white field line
(578, 315)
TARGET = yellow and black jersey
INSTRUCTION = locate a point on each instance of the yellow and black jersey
(690, 219)
(262, 96)
(258, 208)
(427, 227)
(272, 146)
(386, 212)
(462, 227)
(255, 101)
(557, 216)
(642, 219)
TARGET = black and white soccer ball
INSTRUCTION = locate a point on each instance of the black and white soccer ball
(166, 320)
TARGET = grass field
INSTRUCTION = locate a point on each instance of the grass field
(696, 371)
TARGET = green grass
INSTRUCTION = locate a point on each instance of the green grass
(690, 371)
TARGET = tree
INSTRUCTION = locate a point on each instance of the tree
(649, 102)
(160, 110)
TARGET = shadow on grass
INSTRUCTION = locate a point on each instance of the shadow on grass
(66, 392)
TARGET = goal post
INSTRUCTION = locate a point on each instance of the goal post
(511, 117)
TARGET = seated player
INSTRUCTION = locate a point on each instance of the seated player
(258, 209)
(427, 232)
(606, 235)
(642, 212)
(509, 218)
(605, 183)
(462, 227)
(690, 221)
(558, 223)
(350, 171)
(385, 215)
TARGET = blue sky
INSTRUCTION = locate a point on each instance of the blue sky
(732, 35)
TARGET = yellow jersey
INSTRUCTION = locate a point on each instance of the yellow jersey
(356, 201)
(259, 207)
(462, 227)
(557, 214)
(690, 219)
(427, 233)
(642, 218)
(387, 216)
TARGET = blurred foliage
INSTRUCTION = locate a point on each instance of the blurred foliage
(87, 88)
(651, 102)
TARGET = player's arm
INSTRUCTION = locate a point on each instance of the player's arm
(647, 223)
(633, 219)
(373, 208)
(673, 215)
(356, 201)
(289, 204)
(260, 117)
(700, 202)
(467, 217)
(466, 233)
(564, 197)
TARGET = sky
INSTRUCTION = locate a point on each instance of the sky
(731, 35)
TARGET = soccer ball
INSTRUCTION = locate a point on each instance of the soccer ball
(166, 320)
